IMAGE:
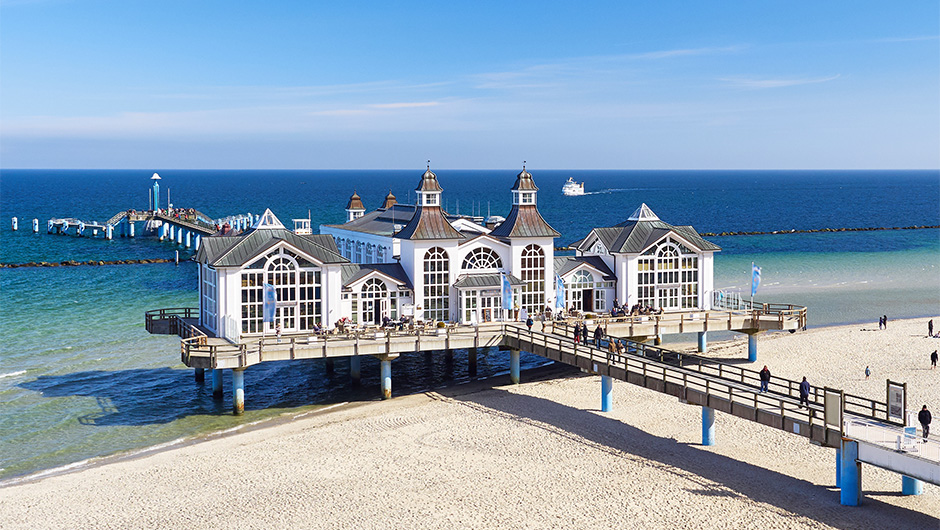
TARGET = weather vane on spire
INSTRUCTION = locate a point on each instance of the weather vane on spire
(523, 165)
(429, 165)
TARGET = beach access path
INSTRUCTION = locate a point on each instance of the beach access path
(537, 455)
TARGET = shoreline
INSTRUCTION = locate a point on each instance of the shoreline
(720, 347)
(487, 454)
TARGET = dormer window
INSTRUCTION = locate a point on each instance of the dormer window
(430, 199)
(528, 198)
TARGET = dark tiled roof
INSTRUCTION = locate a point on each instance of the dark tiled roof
(524, 221)
(428, 223)
(466, 281)
(634, 237)
(566, 264)
(354, 272)
(237, 251)
(381, 222)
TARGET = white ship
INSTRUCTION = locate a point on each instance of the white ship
(572, 188)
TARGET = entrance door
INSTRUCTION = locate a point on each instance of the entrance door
(287, 316)
(488, 305)
(587, 300)
(669, 298)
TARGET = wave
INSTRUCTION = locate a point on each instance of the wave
(12, 374)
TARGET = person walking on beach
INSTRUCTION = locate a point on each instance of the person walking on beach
(804, 392)
(764, 379)
(924, 418)
(598, 336)
(933, 360)
(881, 323)
(867, 372)
(930, 328)
(884, 318)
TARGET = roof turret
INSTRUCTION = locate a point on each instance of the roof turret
(355, 203)
(390, 201)
(429, 181)
(643, 213)
(524, 181)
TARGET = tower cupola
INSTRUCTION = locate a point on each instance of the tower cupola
(355, 209)
(429, 190)
(524, 190)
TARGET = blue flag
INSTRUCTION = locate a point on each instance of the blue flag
(559, 293)
(270, 302)
(755, 278)
(506, 291)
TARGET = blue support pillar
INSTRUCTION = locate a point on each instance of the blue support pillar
(124, 228)
(179, 236)
(198, 240)
(911, 486)
(217, 383)
(189, 239)
(161, 232)
(16, 224)
(238, 391)
(130, 226)
(851, 478)
(607, 393)
(355, 369)
(702, 341)
(708, 426)
(386, 378)
(109, 232)
(838, 467)
(514, 366)
(752, 347)
(35, 226)
(200, 375)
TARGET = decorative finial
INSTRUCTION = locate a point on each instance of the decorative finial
(429, 165)
(523, 165)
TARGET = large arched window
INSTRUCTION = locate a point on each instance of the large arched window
(436, 285)
(533, 276)
(668, 276)
(482, 258)
(373, 298)
(297, 287)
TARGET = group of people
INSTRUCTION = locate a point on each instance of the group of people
(883, 322)
(637, 310)
(582, 334)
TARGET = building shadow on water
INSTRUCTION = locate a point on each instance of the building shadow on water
(717, 475)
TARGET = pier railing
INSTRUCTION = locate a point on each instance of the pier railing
(857, 405)
(781, 312)
(170, 321)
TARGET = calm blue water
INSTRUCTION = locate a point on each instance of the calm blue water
(80, 377)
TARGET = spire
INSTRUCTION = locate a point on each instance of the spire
(524, 219)
(428, 221)
(390, 201)
(643, 213)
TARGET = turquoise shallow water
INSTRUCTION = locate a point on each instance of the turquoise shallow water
(80, 377)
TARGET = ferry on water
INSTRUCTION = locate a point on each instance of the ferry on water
(572, 188)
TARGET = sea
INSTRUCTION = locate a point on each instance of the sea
(80, 378)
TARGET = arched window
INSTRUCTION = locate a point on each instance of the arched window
(533, 276)
(668, 276)
(482, 258)
(436, 285)
(380, 258)
(372, 297)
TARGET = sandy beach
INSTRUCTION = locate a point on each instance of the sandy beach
(536, 455)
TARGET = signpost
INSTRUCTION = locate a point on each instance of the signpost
(897, 402)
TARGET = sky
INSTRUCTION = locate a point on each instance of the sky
(471, 85)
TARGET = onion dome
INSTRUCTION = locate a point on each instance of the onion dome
(524, 182)
(355, 202)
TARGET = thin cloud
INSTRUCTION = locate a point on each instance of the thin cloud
(909, 39)
(405, 105)
(686, 52)
(756, 84)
